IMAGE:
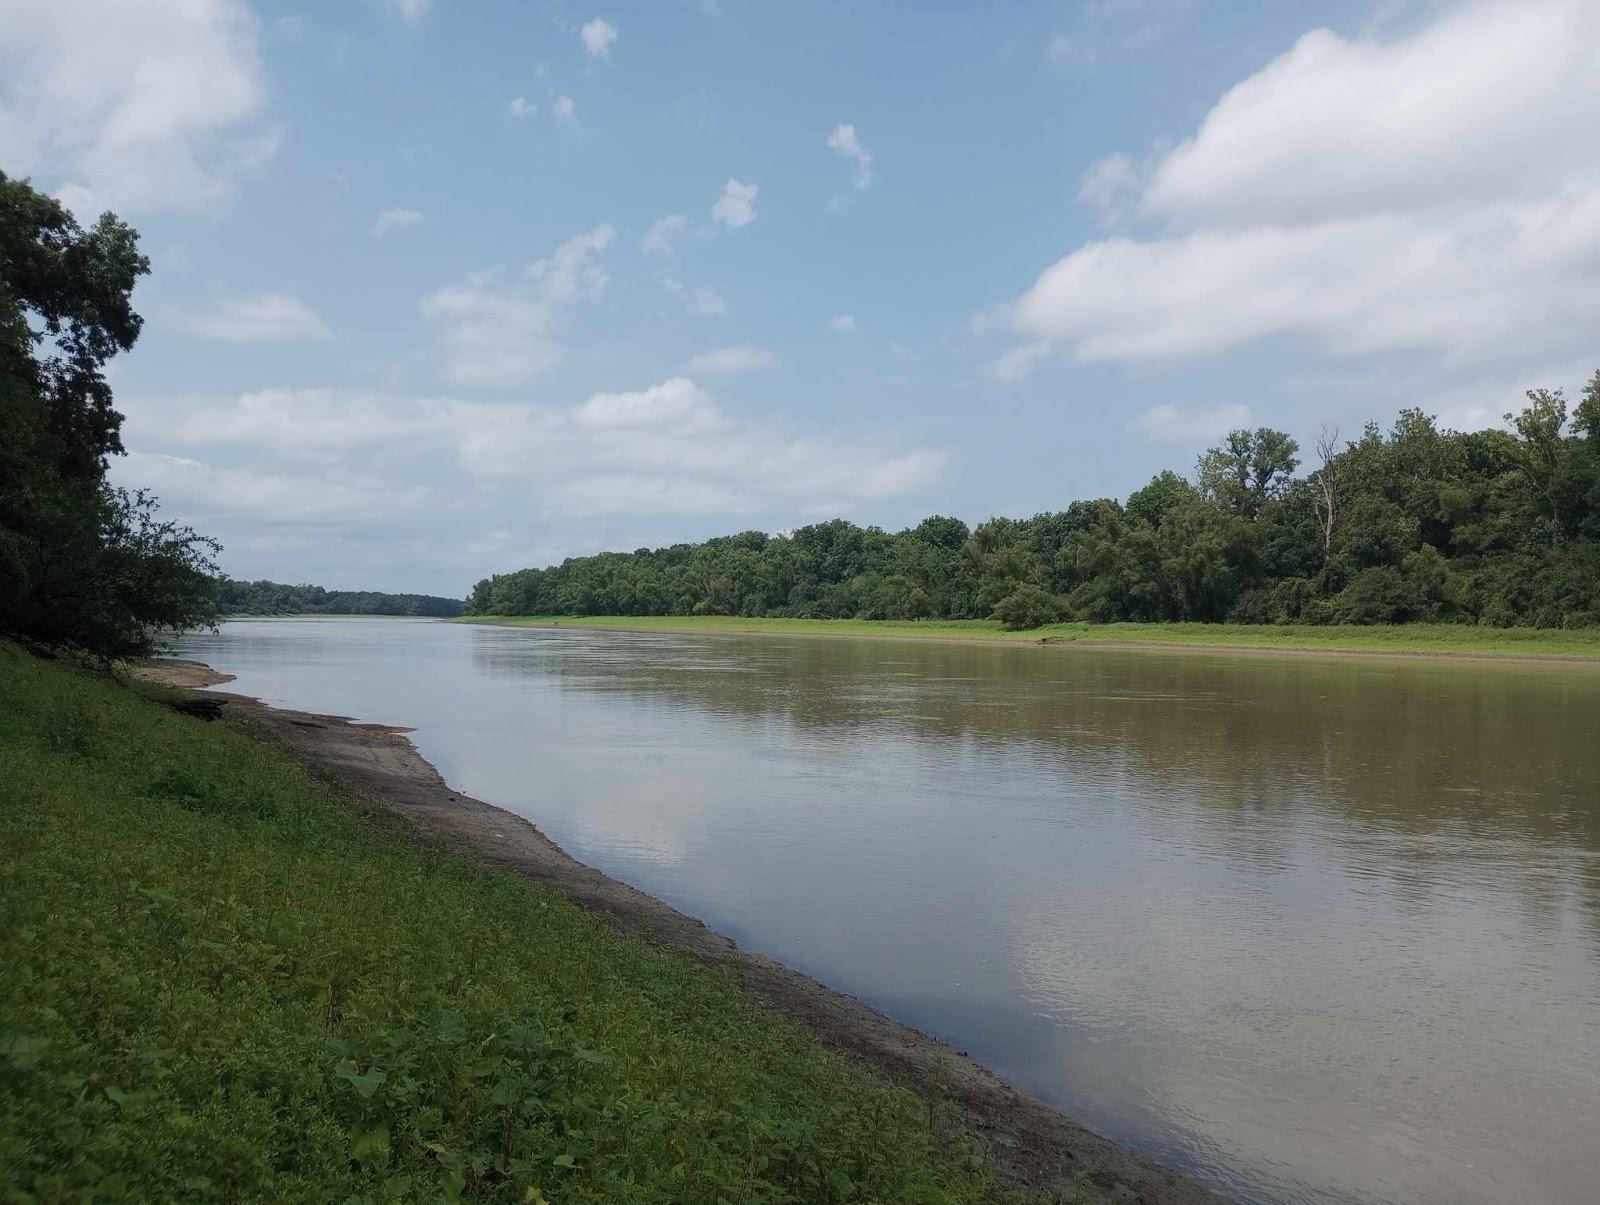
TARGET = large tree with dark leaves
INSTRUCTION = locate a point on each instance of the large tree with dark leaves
(82, 564)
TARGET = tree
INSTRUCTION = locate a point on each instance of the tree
(65, 309)
(1249, 469)
(1166, 492)
(1540, 449)
(1586, 415)
(81, 564)
(1328, 487)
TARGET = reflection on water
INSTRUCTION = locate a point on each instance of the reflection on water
(1312, 930)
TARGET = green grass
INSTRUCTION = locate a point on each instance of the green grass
(1429, 638)
(222, 983)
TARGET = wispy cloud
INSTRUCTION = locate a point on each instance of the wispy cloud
(844, 141)
(725, 361)
(496, 328)
(262, 318)
(391, 220)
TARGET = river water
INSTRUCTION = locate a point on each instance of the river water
(1306, 929)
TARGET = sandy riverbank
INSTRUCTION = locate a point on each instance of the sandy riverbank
(377, 765)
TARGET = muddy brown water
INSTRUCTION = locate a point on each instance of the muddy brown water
(1304, 929)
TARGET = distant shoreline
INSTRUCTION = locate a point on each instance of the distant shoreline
(1411, 642)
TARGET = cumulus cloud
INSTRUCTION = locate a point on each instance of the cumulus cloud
(136, 105)
(725, 361)
(1436, 193)
(564, 109)
(263, 318)
(1193, 424)
(496, 328)
(597, 36)
(736, 206)
(391, 220)
(842, 323)
(521, 108)
(843, 141)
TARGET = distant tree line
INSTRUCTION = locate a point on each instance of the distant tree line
(1496, 527)
(276, 598)
(83, 564)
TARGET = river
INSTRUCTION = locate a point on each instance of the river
(1306, 929)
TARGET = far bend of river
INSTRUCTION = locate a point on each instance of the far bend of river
(1306, 929)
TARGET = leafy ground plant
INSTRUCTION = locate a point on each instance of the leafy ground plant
(223, 984)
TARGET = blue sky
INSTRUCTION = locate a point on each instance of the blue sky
(443, 289)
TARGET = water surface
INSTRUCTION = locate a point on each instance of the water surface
(1307, 929)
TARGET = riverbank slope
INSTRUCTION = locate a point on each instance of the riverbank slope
(229, 982)
(1423, 640)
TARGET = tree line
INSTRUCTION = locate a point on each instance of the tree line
(1418, 523)
(277, 598)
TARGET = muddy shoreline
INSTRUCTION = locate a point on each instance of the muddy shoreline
(1068, 644)
(1031, 1145)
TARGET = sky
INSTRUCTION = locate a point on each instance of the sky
(444, 289)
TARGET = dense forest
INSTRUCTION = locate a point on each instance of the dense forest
(1496, 527)
(83, 564)
(276, 598)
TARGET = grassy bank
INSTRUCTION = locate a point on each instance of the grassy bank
(1430, 639)
(222, 983)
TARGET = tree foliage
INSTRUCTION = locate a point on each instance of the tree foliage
(82, 563)
(1497, 527)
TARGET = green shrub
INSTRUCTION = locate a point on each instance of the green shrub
(1029, 607)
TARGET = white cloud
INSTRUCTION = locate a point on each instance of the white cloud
(597, 36)
(725, 361)
(494, 329)
(736, 206)
(1436, 193)
(136, 105)
(270, 498)
(663, 231)
(1194, 424)
(700, 300)
(410, 11)
(571, 271)
(263, 318)
(564, 109)
(521, 108)
(667, 448)
(395, 219)
(843, 141)
(843, 323)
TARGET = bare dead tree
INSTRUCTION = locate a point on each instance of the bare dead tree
(1328, 481)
